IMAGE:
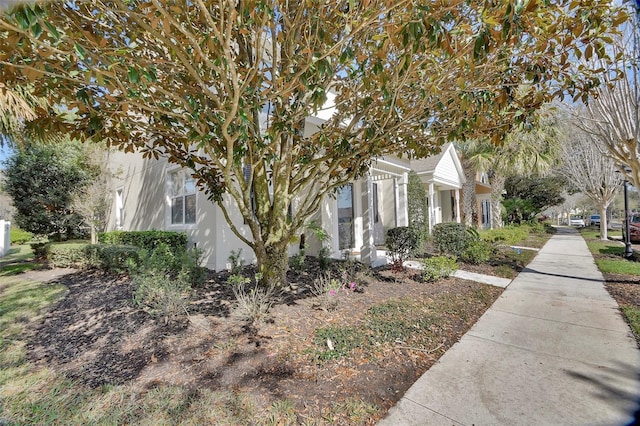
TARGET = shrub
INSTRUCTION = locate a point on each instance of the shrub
(41, 250)
(161, 295)
(18, 236)
(162, 279)
(67, 255)
(510, 235)
(111, 258)
(439, 267)
(477, 251)
(252, 303)
(163, 259)
(401, 243)
(148, 240)
(450, 238)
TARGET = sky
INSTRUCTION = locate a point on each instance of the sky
(4, 153)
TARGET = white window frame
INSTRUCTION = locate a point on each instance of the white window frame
(184, 192)
(120, 208)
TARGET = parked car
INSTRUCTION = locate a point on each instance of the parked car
(594, 220)
(576, 221)
(634, 229)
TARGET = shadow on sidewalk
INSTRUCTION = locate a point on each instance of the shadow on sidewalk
(606, 390)
(534, 271)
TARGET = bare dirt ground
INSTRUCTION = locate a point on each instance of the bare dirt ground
(97, 336)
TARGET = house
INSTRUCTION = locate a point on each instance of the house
(154, 194)
(443, 177)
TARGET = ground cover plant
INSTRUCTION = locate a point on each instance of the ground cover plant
(622, 275)
(79, 351)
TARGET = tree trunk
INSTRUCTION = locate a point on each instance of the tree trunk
(497, 186)
(94, 234)
(273, 264)
(469, 203)
(604, 224)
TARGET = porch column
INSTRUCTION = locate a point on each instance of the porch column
(432, 211)
(457, 195)
(368, 249)
(402, 208)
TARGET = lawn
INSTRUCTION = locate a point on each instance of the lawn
(622, 276)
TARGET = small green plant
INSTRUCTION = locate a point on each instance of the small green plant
(401, 243)
(297, 261)
(324, 261)
(236, 261)
(338, 341)
(450, 238)
(252, 301)
(41, 250)
(438, 267)
(329, 291)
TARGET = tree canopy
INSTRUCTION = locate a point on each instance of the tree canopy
(41, 180)
(225, 88)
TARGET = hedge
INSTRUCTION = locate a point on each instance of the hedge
(67, 255)
(111, 257)
(147, 240)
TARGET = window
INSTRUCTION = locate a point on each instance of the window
(345, 217)
(119, 208)
(182, 194)
(376, 214)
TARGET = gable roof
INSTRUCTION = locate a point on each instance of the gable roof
(444, 168)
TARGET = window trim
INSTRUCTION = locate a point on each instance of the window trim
(170, 197)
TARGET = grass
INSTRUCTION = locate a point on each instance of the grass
(405, 321)
(609, 258)
(633, 317)
(618, 266)
(19, 253)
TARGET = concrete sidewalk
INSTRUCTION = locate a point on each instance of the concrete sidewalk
(552, 350)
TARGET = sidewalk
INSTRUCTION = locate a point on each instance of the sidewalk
(552, 350)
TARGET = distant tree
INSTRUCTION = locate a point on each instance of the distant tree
(41, 180)
(527, 196)
(613, 116)
(476, 156)
(92, 201)
(591, 171)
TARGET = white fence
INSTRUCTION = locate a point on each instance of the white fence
(5, 237)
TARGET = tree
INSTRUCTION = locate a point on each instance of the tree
(591, 172)
(92, 201)
(613, 116)
(475, 156)
(527, 196)
(418, 209)
(224, 87)
(41, 180)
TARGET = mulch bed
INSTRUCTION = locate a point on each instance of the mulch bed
(97, 336)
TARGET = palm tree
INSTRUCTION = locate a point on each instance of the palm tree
(15, 110)
(475, 156)
(523, 153)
